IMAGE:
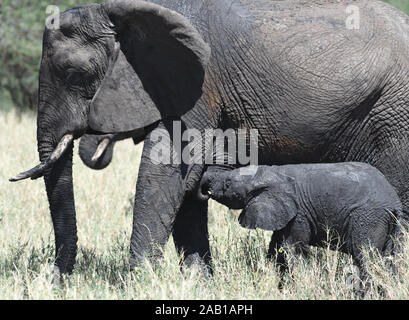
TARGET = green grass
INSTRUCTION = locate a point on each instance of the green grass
(104, 226)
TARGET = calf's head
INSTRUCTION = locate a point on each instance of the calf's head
(269, 199)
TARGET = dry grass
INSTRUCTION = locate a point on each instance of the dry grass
(104, 225)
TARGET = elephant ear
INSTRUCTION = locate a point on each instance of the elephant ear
(272, 209)
(157, 69)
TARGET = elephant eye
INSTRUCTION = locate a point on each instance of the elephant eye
(74, 76)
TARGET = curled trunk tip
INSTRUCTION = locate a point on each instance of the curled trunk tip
(203, 191)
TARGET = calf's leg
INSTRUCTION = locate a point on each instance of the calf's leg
(295, 237)
(369, 231)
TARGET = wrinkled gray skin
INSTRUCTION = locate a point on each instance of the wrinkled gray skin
(301, 202)
(316, 91)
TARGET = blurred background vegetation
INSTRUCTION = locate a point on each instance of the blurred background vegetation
(21, 27)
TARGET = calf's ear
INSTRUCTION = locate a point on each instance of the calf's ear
(272, 209)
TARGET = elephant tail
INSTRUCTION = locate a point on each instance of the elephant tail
(396, 235)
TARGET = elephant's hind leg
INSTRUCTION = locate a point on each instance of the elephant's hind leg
(369, 235)
(190, 232)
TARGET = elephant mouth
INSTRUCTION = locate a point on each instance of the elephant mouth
(39, 170)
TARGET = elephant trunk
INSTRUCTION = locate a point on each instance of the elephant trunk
(203, 191)
(208, 186)
(56, 167)
(60, 193)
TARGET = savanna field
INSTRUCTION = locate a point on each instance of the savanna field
(104, 202)
(104, 214)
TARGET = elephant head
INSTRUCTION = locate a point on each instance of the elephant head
(225, 186)
(109, 68)
(266, 197)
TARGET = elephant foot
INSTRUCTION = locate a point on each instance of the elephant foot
(191, 261)
(360, 283)
(55, 277)
(353, 281)
(138, 260)
(196, 261)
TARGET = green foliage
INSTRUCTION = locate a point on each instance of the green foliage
(5, 101)
(21, 28)
(22, 24)
(400, 4)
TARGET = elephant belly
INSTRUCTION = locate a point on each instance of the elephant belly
(305, 79)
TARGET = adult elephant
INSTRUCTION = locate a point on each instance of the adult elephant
(316, 90)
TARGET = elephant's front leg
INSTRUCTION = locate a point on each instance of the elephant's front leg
(159, 195)
(190, 232)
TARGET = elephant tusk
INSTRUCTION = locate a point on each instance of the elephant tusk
(38, 171)
(30, 173)
(103, 145)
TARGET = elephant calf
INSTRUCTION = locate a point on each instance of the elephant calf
(301, 202)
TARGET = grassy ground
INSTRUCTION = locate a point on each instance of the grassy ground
(104, 222)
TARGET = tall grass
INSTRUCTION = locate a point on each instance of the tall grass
(104, 225)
